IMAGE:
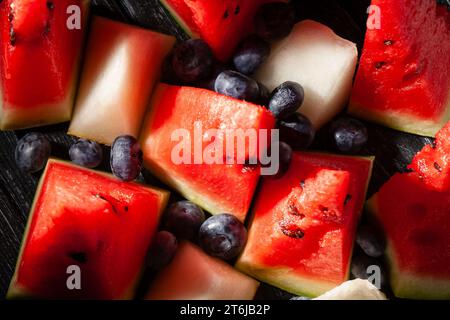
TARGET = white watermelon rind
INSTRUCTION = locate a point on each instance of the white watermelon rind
(401, 121)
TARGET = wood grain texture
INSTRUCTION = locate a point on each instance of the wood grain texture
(393, 150)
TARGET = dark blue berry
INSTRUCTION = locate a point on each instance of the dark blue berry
(32, 152)
(297, 131)
(264, 95)
(284, 158)
(184, 219)
(251, 53)
(126, 158)
(370, 241)
(168, 75)
(86, 153)
(286, 99)
(192, 60)
(237, 85)
(209, 83)
(162, 250)
(360, 267)
(349, 135)
(274, 20)
(223, 236)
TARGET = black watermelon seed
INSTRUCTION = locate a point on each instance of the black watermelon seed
(380, 64)
(78, 256)
(291, 230)
(437, 167)
(347, 199)
(109, 201)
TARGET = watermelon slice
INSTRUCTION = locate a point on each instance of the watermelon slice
(433, 162)
(302, 235)
(222, 24)
(217, 187)
(209, 279)
(414, 210)
(403, 81)
(39, 65)
(90, 220)
(122, 65)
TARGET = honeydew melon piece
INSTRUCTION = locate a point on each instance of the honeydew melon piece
(357, 289)
(122, 65)
(321, 61)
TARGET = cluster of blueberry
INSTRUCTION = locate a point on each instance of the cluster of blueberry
(34, 149)
(192, 63)
(222, 236)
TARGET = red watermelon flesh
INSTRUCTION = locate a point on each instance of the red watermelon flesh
(415, 220)
(433, 162)
(403, 81)
(301, 237)
(89, 219)
(39, 66)
(217, 187)
(414, 210)
(222, 24)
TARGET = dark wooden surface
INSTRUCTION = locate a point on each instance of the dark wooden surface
(393, 150)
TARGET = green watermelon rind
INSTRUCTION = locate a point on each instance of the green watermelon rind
(405, 284)
(180, 21)
(17, 291)
(305, 287)
(400, 121)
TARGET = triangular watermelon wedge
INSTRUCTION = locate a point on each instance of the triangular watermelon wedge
(403, 77)
(414, 211)
(302, 231)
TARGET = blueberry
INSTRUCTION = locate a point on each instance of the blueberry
(370, 241)
(274, 20)
(360, 267)
(184, 219)
(168, 74)
(286, 99)
(86, 153)
(284, 159)
(349, 135)
(264, 95)
(236, 85)
(297, 131)
(251, 53)
(126, 158)
(223, 236)
(192, 60)
(32, 152)
(209, 83)
(162, 250)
